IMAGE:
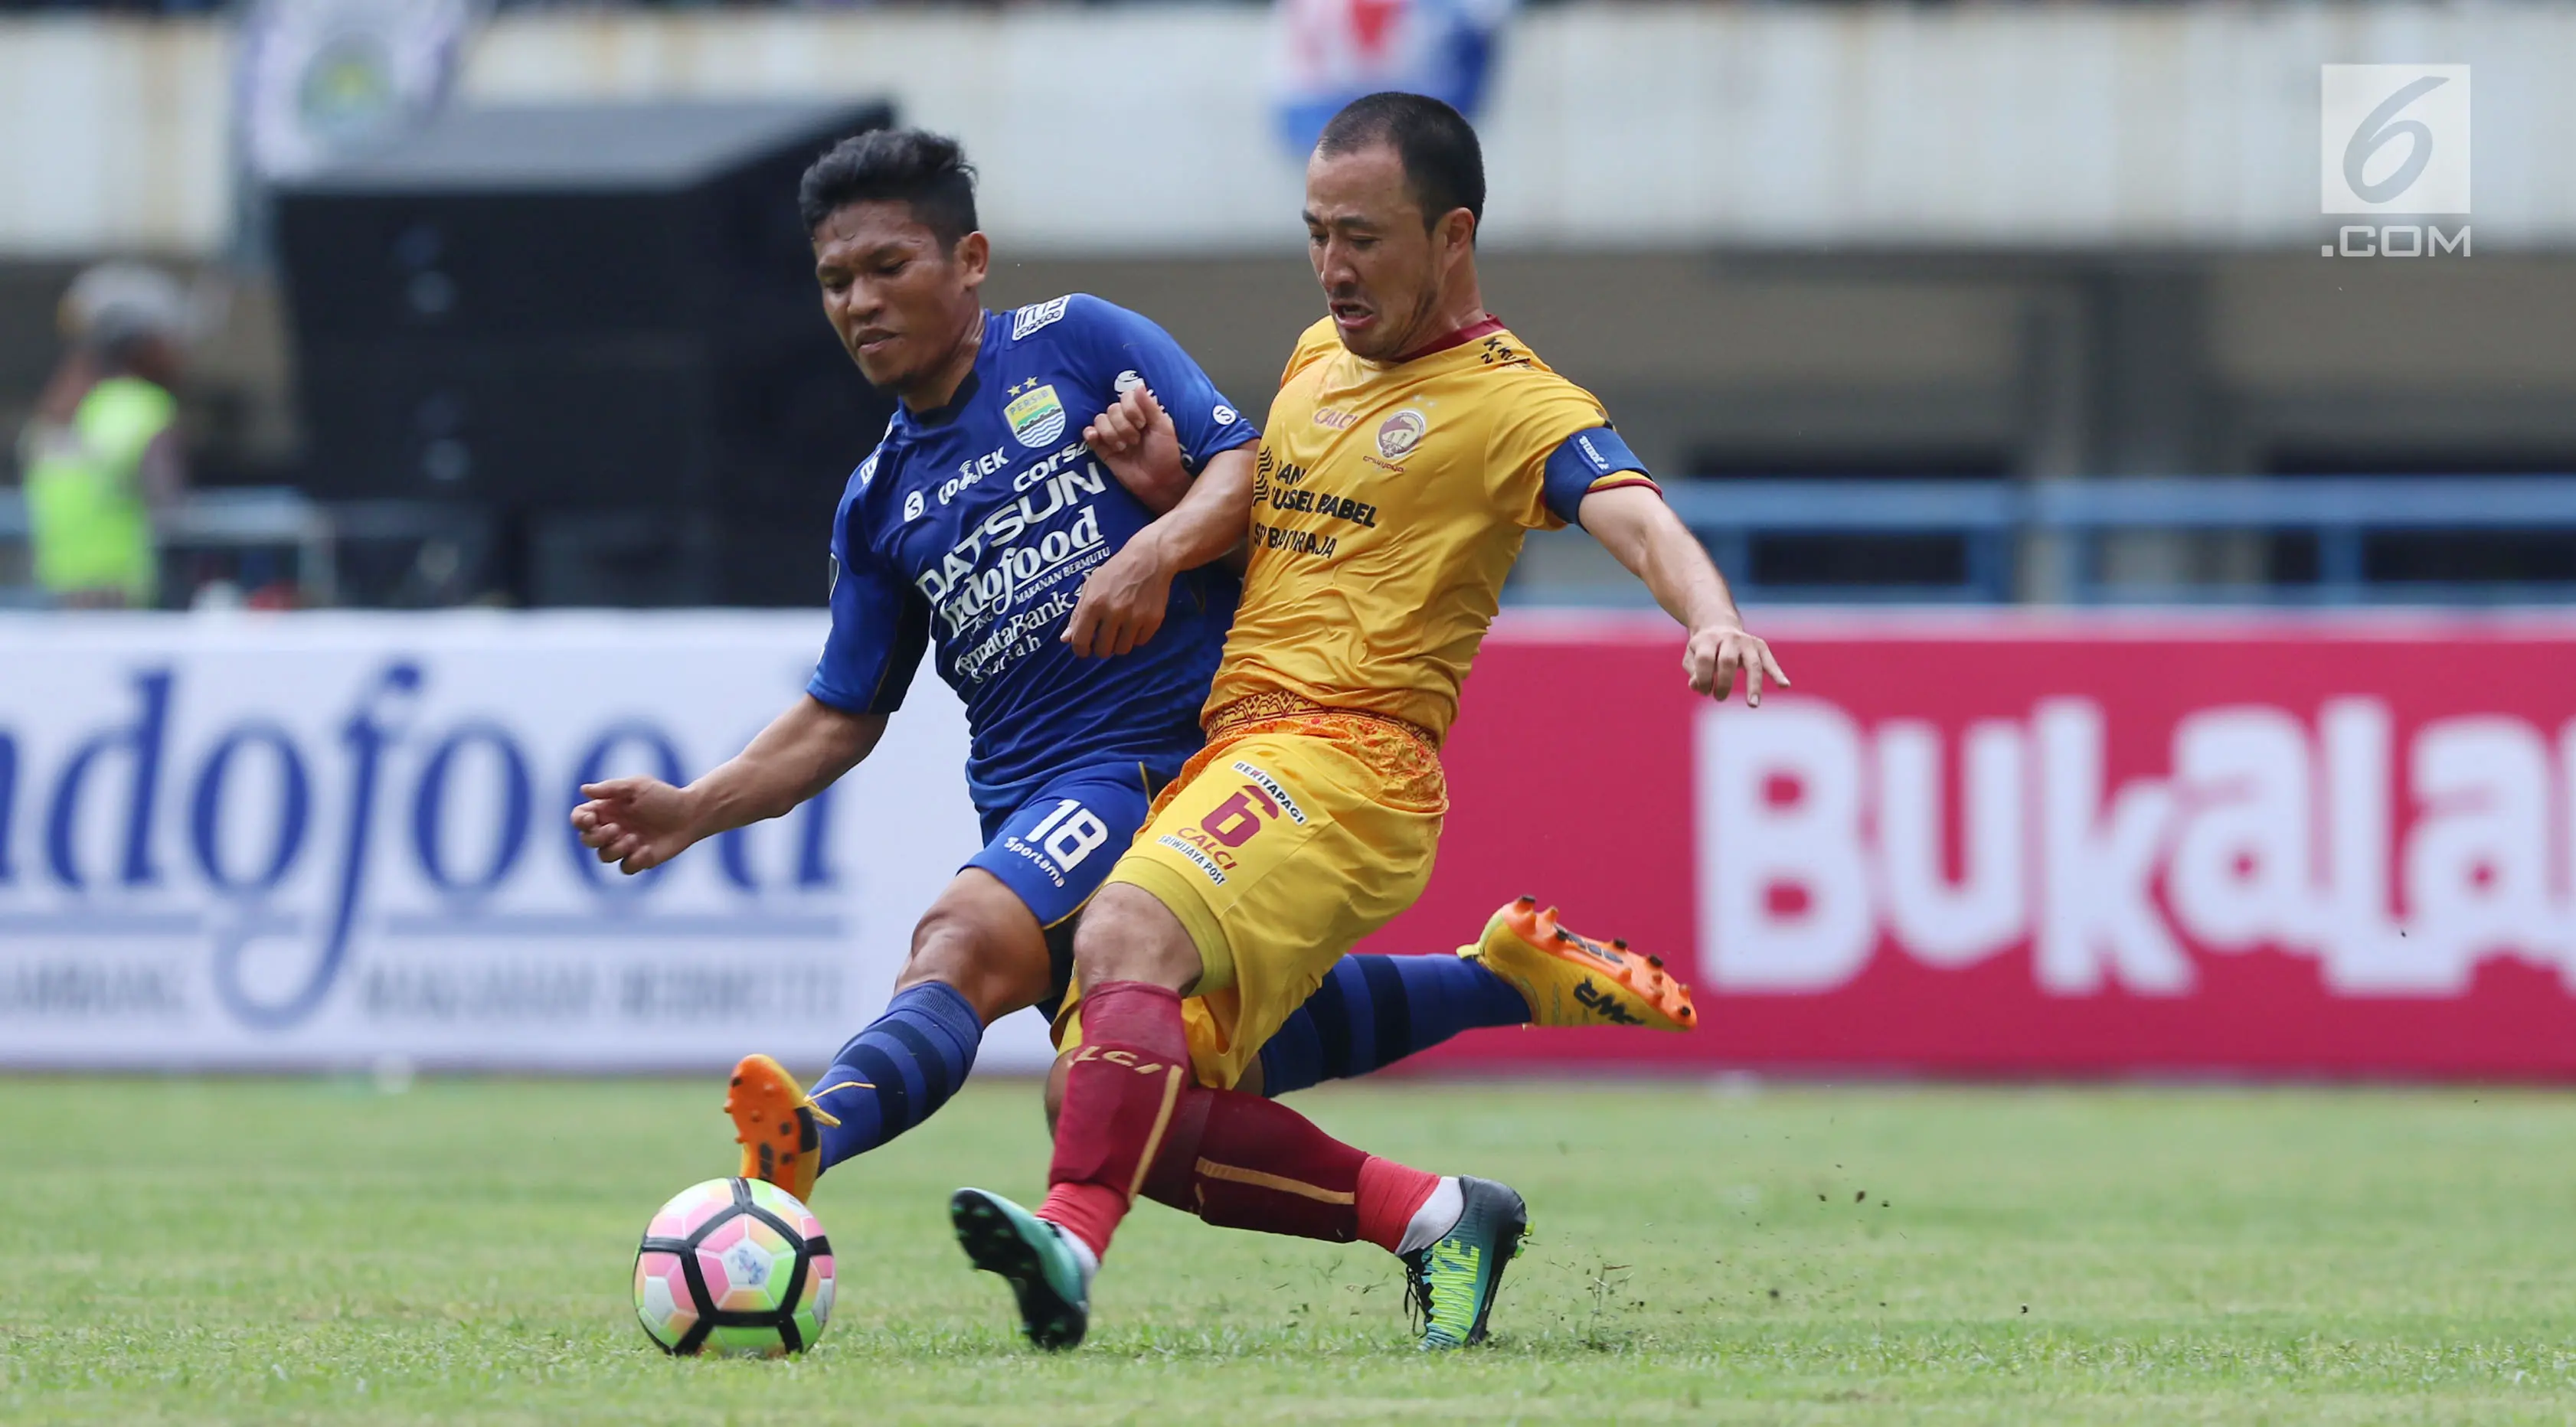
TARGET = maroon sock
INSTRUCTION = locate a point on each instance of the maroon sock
(1120, 1095)
(1242, 1162)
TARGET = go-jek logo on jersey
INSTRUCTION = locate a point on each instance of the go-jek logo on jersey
(167, 835)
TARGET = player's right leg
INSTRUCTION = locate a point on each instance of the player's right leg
(996, 941)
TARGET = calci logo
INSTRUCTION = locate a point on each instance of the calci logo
(2397, 863)
(219, 852)
(2393, 143)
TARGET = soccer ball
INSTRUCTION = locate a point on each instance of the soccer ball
(734, 1267)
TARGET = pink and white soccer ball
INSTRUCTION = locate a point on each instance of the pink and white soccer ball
(736, 1268)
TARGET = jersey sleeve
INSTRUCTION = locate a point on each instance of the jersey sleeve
(880, 626)
(1121, 342)
(1554, 447)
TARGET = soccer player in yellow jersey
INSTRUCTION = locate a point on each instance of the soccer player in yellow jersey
(1413, 443)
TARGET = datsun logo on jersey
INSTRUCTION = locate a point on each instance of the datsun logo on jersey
(1026, 545)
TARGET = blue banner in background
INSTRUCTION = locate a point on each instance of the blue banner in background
(1333, 51)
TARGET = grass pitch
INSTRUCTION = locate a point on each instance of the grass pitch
(298, 1251)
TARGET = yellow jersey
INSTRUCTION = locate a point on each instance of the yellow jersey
(1389, 502)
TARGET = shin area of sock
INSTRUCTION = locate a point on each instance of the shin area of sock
(1121, 1092)
(1086, 1211)
(1389, 1195)
(1243, 1162)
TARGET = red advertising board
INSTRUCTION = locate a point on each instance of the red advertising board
(1995, 843)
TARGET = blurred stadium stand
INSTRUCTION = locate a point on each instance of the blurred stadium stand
(1905, 302)
(592, 327)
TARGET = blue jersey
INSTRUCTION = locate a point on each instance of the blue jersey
(972, 528)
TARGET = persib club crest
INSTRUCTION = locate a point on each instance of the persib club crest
(1036, 417)
(1400, 433)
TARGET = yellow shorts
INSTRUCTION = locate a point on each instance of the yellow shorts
(1286, 840)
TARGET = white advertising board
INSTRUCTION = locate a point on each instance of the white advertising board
(342, 839)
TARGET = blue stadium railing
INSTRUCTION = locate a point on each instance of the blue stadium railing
(2061, 522)
(1996, 520)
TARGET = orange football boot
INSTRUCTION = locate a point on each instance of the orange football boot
(1572, 980)
(775, 1122)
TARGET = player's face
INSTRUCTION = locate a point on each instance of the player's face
(901, 301)
(1382, 267)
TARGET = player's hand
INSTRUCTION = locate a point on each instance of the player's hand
(1122, 602)
(1718, 651)
(637, 823)
(1136, 440)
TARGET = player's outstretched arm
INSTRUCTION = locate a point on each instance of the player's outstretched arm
(1122, 602)
(1635, 525)
(641, 823)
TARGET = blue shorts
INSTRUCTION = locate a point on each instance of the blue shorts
(1055, 850)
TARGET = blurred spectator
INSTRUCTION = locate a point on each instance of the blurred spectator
(102, 454)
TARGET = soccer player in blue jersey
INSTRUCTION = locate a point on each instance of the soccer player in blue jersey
(985, 527)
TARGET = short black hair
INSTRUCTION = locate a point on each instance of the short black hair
(1443, 163)
(927, 170)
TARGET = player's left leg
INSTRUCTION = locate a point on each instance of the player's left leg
(1237, 1160)
(1133, 1122)
(1240, 1161)
(1525, 969)
(1246, 887)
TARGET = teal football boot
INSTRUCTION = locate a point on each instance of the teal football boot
(1453, 1282)
(1045, 1275)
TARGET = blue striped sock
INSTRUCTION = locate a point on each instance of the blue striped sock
(899, 1071)
(1373, 1011)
